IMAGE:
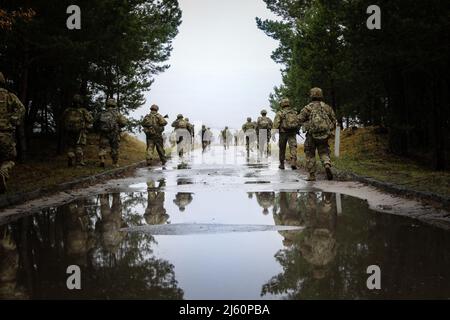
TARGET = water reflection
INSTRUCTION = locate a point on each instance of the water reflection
(155, 213)
(266, 200)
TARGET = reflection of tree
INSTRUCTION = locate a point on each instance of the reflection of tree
(114, 264)
(265, 200)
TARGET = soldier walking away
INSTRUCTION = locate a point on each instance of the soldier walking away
(182, 132)
(263, 131)
(226, 137)
(249, 129)
(319, 122)
(76, 121)
(286, 121)
(11, 115)
(110, 122)
(202, 135)
(191, 129)
(153, 124)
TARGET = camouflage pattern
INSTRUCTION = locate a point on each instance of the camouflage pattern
(11, 115)
(226, 137)
(153, 124)
(316, 93)
(281, 117)
(311, 142)
(249, 129)
(155, 213)
(111, 138)
(182, 134)
(76, 140)
(154, 107)
(182, 200)
(108, 227)
(265, 200)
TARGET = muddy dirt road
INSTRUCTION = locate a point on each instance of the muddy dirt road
(222, 225)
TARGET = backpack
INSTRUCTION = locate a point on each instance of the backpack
(107, 122)
(319, 122)
(264, 123)
(290, 120)
(151, 124)
(74, 121)
(182, 124)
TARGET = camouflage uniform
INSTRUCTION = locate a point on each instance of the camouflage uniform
(287, 136)
(191, 129)
(226, 137)
(111, 222)
(263, 127)
(76, 139)
(203, 137)
(153, 125)
(11, 115)
(182, 200)
(182, 131)
(111, 121)
(155, 213)
(249, 129)
(265, 200)
(314, 142)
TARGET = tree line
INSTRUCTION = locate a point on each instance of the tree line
(396, 77)
(120, 47)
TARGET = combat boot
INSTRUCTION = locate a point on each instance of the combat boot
(328, 171)
(281, 166)
(294, 165)
(311, 177)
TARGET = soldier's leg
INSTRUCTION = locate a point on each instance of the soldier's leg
(323, 149)
(71, 143)
(292, 140)
(310, 155)
(103, 146)
(160, 149)
(282, 146)
(79, 153)
(150, 147)
(7, 156)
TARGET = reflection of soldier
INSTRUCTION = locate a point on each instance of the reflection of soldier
(11, 114)
(318, 242)
(77, 120)
(110, 122)
(319, 123)
(182, 200)
(153, 124)
(78, 240)
(288, 214)
(286, 121)
(249, 129)
(9, 266)
(263, 130)
(111, 222)
(265, 200)
(155, 212)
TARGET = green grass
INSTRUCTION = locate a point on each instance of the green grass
(364, 152)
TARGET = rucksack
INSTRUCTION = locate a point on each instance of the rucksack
(264, 123)
(74, 121)
(107, 122)
(151, 124)
(319, 122)
(290, 120)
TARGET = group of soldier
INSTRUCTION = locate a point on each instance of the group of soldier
(317, 119)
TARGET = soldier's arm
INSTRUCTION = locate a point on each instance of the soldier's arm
(122, 120)
(162, 121)
(332, 116)
(304, 115)
(88, 118)
(174, 124)
(276, 122)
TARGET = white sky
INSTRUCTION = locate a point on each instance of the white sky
(220, 69)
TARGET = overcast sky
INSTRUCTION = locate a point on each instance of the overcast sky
(220, 69)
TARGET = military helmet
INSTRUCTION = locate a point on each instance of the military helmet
(263, 111)
(154, 107)
(249, 119)
(285, 103)
(180, 116)
(111, 103)
(316, 93)
(2, 79)
(226, 128)
(77, 99)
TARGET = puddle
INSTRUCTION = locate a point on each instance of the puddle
(160, 244)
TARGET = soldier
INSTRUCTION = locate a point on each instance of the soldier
(265, 200)
(202, 135)
(76, 120)
(153, 124)
(182, 132)
(286, 121)
(249, 129)
(110, 122)
(182, 200)
(319, 122)
(11, 115)
(111, 222)
(263, 130)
